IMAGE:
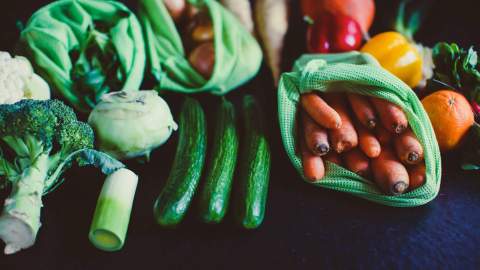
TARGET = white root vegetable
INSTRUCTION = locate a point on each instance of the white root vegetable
(242, 10)
(271, 17)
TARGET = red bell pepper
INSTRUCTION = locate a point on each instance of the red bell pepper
(333, 33)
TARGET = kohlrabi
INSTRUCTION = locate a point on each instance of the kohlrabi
(130, 124)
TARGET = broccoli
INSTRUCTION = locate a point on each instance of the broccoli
(39, 140)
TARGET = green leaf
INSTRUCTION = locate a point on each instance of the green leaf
(457, 67)
(83, 157)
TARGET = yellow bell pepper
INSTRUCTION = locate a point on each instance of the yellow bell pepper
(397, 55)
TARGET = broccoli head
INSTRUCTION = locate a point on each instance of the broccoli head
(30, 128)
(38, 141)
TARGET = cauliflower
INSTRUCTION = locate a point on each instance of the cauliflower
(18, 81)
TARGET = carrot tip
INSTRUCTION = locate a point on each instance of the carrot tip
(371, 124)
(399, 188)
(413, 156)
(399, 128)
(322, 149)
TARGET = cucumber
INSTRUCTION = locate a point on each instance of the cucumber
(223, 158)
(254, 167)
(174, 199)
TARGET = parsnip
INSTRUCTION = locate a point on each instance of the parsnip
(271, 18)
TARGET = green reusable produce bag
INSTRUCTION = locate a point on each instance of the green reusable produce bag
(237, 54)
(85, 48)
(359, 73)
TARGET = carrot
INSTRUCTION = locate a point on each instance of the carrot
(357, 162)
(363, 110)
(242, 10)
(417, 175)
(313, 167)
(409, 150)
(333, 157)
(345, 137)
(392, 116)
(271, 17)
(368, 143)
(383, 136)
(389, 173)
(320, 111)
(316, 137)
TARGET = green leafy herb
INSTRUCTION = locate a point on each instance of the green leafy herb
(457, 68)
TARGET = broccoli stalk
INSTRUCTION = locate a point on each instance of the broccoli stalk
(20, 220)
(39, 140)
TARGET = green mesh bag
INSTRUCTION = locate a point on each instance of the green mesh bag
(85, 48)
(237, 54)
(361, 74)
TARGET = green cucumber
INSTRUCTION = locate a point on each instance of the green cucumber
(254, 167)
(175, 198)
(223, 158)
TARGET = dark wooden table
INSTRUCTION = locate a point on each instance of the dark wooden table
(305, 227)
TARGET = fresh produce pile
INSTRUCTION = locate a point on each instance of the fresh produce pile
(371, 123)
(368, 136)
(349, 125)
(41, 140)
(92, 54)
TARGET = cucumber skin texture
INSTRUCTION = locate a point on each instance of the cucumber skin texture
(254, 167)
(215, 195)
(176, 196)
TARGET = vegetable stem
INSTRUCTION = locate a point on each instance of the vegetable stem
(20, 220)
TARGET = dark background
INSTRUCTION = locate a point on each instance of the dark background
(305, 226)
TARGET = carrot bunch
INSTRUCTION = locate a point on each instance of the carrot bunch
(368, 136)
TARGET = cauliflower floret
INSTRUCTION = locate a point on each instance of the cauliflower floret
(18, 81)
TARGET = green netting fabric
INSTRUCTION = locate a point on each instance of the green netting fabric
(237, 54)
(54, 31)
(358, 73)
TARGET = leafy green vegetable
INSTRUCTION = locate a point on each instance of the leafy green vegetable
(97, 69)
(457, 68)
(39, 140)
(85, 48)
